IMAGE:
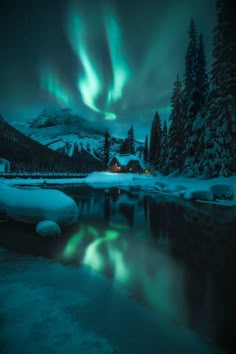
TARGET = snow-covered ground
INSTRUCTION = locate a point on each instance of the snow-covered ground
(51, 308)
(220, 190)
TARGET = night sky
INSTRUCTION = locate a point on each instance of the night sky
(113, 62)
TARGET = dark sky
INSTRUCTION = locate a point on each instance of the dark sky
(113, 62)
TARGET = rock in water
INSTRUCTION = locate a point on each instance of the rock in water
(33, 206)
(48, 228)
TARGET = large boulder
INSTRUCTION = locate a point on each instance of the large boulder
(35, 205)
(48, 228)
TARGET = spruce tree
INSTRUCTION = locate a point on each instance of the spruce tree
(198, 126)
(191, 61)
(164, 149)
(106, 151)
(124, 147)
(145, 153)
(155, 141)
(202, 83)
(220, 136)
(176, 131)
(193, 121)
(131, 149)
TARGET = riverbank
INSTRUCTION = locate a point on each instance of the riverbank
(219, 191)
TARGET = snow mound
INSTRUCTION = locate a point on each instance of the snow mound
(48, 228)
(35, 205)
(201, 194)
(223, 191)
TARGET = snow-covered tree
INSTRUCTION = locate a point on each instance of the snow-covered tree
(191, 61)
(106, 155)
(127, 146)
(220, 128)
(191, 99)
(145, 153)
(202, 76)
(155, 141)
(131, 149)
(164, 149)
(176, 131)
(198, 125)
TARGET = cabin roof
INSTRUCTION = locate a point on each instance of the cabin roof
(125, 159)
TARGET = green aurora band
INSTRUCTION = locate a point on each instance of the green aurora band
(50, 82)
(89, 84)
(121, 72)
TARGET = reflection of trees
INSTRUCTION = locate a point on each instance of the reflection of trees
(145, 207)
(107, 209)
(154, 217)
(203, 241)
(128, 212)
(206, 245)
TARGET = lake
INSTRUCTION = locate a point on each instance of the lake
(174, 259)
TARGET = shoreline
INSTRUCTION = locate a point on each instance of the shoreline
(220, 191)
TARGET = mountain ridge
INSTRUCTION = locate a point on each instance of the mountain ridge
(68, 133)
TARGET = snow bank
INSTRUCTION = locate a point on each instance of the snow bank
(201, 194)
(35, 205)
(223, 191)
(223, 188)
(48, 228)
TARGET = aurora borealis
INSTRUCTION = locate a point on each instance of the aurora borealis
(113, 62)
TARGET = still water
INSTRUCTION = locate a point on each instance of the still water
(175, 258)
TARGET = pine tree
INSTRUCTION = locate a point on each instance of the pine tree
(176, 131)
(131, 149)
(191, 62)
(193, 122)
(127, 145)
(198, 126)
(202, 83)
(106, 155)
(124, 147)
(164, 149)
(220, 136)
(155, 141)
(145, 153)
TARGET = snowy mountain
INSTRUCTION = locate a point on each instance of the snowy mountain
(68, 133)
(26, 154)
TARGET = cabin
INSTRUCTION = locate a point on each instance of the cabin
(121, 163)
(5, 165)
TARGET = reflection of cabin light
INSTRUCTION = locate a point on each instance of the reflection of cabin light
(130, 169)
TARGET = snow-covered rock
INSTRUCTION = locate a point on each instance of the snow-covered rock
(48, 228)
(35, 205)
(223, 191)
(201, 194)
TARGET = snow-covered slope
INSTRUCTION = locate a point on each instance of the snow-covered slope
(63, 131)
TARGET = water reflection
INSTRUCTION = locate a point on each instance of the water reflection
(177, 258)
(148, 273)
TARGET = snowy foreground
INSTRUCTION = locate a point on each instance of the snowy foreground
(215, 191)
(52, 308)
